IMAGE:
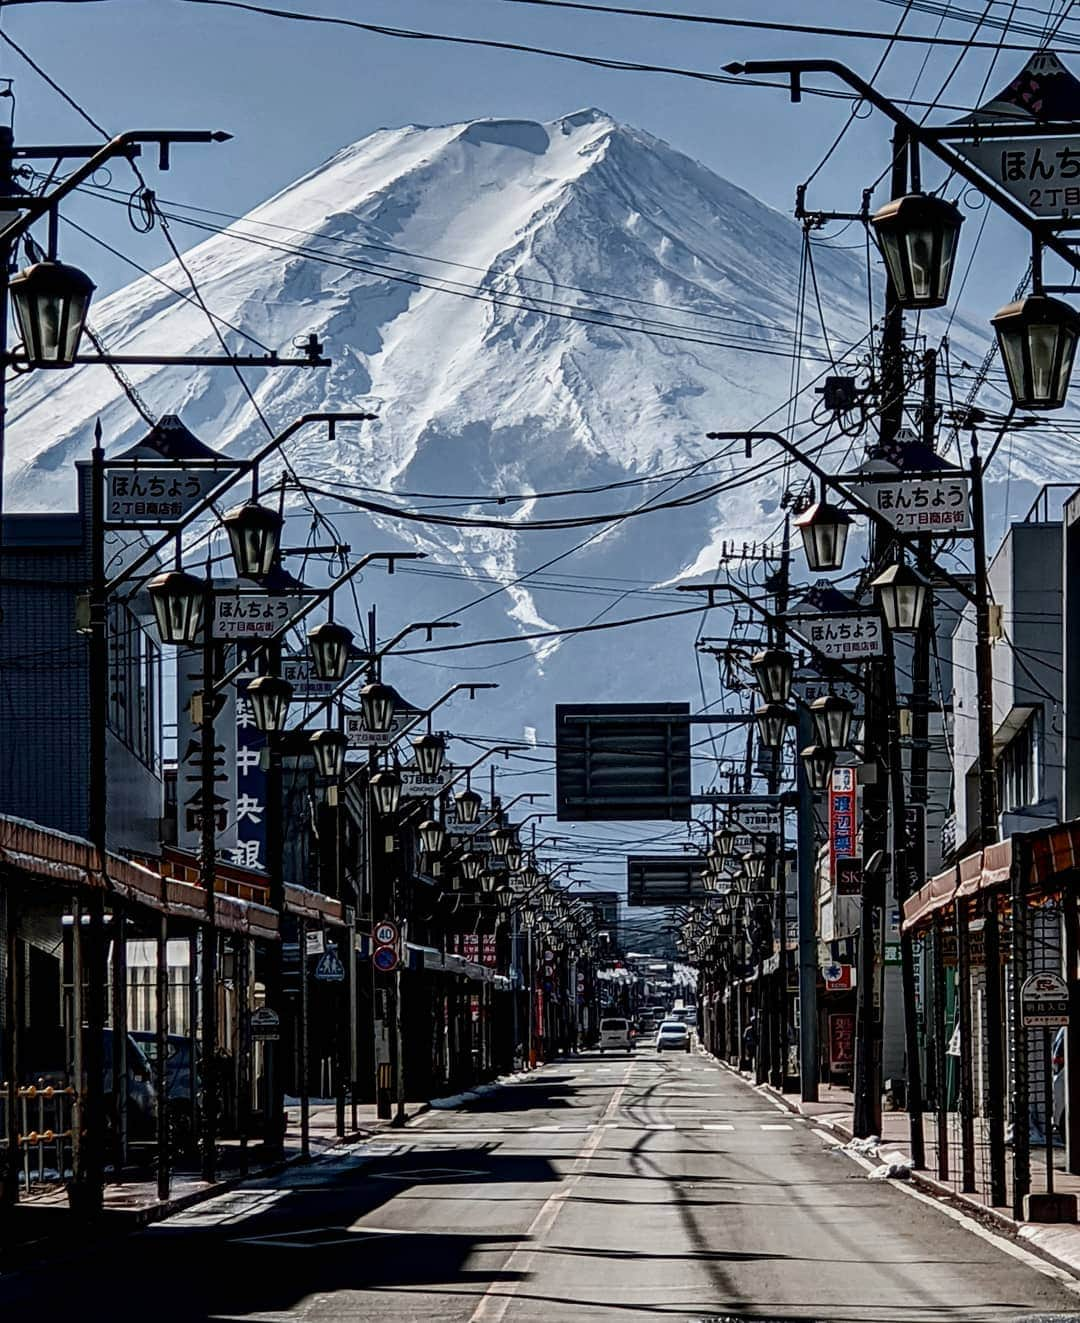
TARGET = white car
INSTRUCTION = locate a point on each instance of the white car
(673, 1034)
(616, 1036)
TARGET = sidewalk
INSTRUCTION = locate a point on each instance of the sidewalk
(41, 1225)
(1058, 1242)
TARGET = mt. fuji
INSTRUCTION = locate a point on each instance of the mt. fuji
(527, 307)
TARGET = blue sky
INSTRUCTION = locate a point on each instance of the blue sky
(292, 94)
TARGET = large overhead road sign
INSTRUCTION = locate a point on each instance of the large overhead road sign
(665, 879)
(622, 761)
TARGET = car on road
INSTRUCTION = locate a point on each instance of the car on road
(616, 1036)
(673, 1035)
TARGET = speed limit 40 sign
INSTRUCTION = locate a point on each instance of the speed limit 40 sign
(385, 933)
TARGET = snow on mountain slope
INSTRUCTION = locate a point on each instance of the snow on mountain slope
(444, 255)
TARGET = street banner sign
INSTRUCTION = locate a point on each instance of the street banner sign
(849, 876)
(158, 495)
(330, 969)
(625, 762)
(809, 685)
(299, 670)
(359, 737)
(240, 615)
(1044, 1001)
(752, 826)
(265, 1025)
(853, 636)
(665, 879)
(1042, 174)
(414, 785)
(937, 506)
(314, 942)
(385, 933)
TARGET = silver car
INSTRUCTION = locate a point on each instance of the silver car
(673, 1035)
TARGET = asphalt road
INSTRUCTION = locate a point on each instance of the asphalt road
(600, 1189)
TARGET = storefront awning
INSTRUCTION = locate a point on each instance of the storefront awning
(1049, 858)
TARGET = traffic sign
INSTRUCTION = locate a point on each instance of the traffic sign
(330, 969)
(265, 1025)
(1044, 1001)
(385, 933)
(385, 959)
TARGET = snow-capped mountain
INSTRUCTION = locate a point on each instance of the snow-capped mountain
(486, 289)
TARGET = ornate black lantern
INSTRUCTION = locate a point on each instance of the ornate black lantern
(178, 600)
(901, 594)
(432, 836)
(270, 697)
(514, 858)
(330, 646)
(386, 791)
(773, 671)
(824, 530)
(772, 723)
(754, 866)
(488, 880)
(832, 720)
(377, 705)
(254, 535)
(329, 748)
(818, 761)
(472, 865)
(1037, 337)
(503, 838)
(430, 753)
(724, 841)
(528, 916)
(917, 236)
(468, 806)
(50, 301)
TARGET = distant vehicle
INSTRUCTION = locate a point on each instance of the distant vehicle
(673, 1035)
(691, 1016)
(178, 1081)
(678, 1013)
(616, 1036)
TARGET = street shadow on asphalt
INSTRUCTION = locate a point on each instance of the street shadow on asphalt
(550, 1092)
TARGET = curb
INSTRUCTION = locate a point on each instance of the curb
(979, 1213)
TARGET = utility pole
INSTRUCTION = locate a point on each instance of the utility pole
(867, 1110)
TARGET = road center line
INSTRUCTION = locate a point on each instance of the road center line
(493, 1304)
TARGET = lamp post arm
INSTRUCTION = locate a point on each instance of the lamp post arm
(121, 145)
(916, 133)
(923, 560)
(242, 467)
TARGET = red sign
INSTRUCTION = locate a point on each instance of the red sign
(841, 816)
(841, 977)
(489, 949)
(841, 1042)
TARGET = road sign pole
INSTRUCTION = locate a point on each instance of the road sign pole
(305, 1095)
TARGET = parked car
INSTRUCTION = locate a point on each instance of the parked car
(616, 1036)
(673, 1035)
(141, 1095)
(1059, 1082)
(178, 1081)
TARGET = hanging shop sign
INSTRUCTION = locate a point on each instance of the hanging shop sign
(253, 615)
(841, 1042)
(158, 495)
(415, 785)
(360, 737)
(265, 1025)
(841, 816)
(848, 637)
(299, 670)
(937, 506)
(1042, 174)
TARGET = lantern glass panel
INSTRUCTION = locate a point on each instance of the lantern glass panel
(514, 858)
(330, 645)
(824, 530)
(772, 723)
(254, 534)
(472, 865)
(773, 671)
(832, 720)
(432, 836)
(430, 754)
(386, 791)
(270, 697)
(178, 600)
(50, 301)
(468, 806)
(818, 763)
(1037, 336)
(377, 705)
(329, 747)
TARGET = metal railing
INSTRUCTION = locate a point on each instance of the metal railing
(45, 1114)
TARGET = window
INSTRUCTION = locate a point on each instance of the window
(134, 685)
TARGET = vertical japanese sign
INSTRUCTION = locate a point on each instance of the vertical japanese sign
(188, 758)
(841, 816)
(249, 848)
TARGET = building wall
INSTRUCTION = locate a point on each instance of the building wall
(44, 690)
